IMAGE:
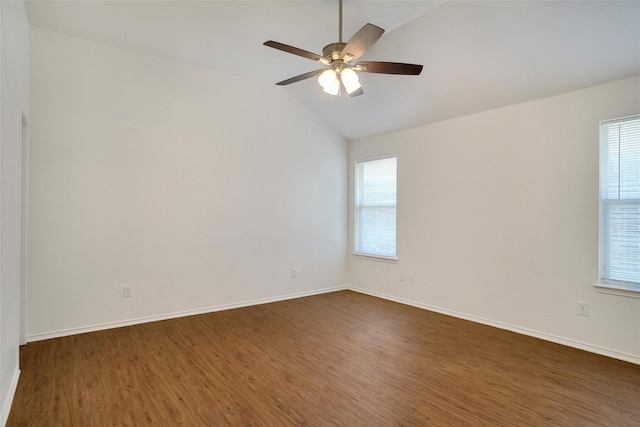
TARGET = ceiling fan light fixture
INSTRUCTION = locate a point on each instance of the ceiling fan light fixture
(350, 80)
(338, 56)
(329, 82)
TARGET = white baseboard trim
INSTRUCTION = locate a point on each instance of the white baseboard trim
(6, 405)
(174, 315)
(524, 331)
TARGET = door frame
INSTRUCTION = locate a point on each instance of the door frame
(23, 226)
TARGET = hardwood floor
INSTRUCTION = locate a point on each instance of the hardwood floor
(340, 359)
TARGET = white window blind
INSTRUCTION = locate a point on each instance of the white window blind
(620, 201)
(375, 222)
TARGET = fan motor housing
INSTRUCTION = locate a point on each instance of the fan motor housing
(332, 51)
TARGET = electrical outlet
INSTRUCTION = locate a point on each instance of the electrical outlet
(127, 290)
(377, 274)
(294, 272)
(583, 308)
(402, 276)
(411, 277)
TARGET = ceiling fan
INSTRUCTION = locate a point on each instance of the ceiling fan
(339, 57)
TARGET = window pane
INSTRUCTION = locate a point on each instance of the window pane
(379, 230)
(630, 160)
(621, 224)
(379, 181)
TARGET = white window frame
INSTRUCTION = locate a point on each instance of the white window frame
(357, 236)
(607, 283)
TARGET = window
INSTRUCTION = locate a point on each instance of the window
(620, 202)
(375, 223)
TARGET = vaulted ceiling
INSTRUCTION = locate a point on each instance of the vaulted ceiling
(477, 55)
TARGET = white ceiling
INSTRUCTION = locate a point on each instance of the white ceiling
(477, 55)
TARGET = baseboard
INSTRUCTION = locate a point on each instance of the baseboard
(536, 334)
(6, 405)
(524, 331)
(174, 315)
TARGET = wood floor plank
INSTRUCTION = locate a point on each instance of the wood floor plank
(339, 359)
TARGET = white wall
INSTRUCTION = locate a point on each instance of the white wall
(14, 94)
(200, 190)
(498, 220)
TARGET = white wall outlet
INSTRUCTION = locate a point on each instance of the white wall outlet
(377, 274)
(583, 308)
(127, 290)
(402, 276)
(294, 272)
(411, 277)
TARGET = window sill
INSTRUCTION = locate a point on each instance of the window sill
(618, 289)
(372, 257)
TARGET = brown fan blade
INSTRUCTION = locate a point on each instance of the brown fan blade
(361, 42)
(300, 77)
(294, 50)
(389, 68)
